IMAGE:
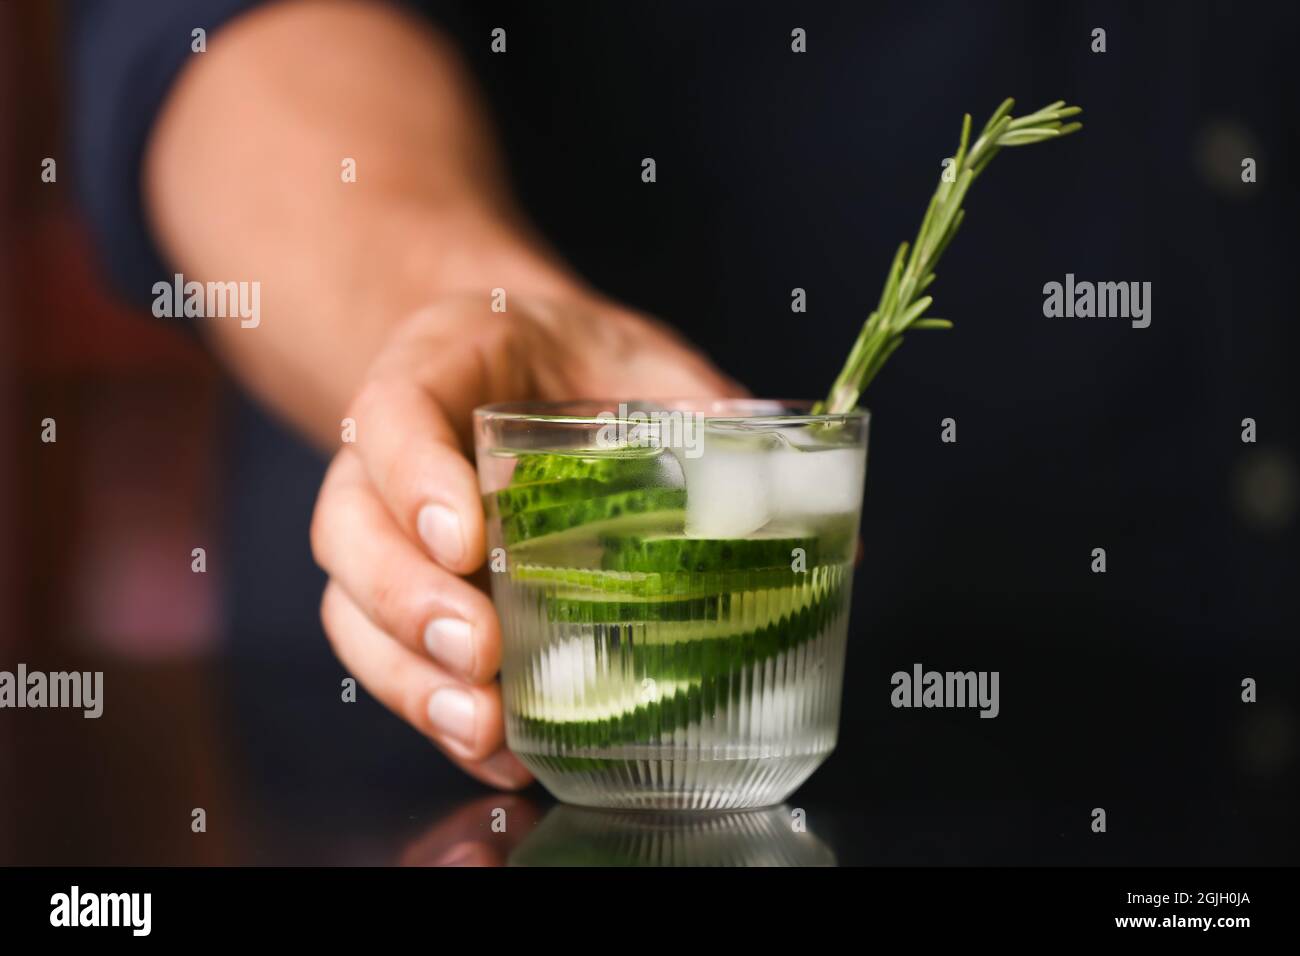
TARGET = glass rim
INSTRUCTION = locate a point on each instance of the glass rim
(550, 412)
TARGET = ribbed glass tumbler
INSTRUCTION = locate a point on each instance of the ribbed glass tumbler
(673, 584)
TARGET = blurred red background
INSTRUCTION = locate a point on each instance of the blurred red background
(96, 529)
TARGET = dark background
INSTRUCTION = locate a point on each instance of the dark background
(775, 170)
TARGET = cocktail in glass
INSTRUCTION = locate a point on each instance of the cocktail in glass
(673, 583)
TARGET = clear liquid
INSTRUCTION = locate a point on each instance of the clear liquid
(722, 694)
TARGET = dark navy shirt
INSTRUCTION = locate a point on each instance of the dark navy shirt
(779, 170)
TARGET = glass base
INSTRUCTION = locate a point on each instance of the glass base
(659, 783)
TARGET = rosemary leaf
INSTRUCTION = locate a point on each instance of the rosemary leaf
(901, 301)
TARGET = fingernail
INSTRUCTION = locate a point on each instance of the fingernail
(450, 641)
(451, 712)
(440, 528)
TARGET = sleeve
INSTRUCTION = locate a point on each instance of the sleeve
(123, 57)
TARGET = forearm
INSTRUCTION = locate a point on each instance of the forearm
(243, 183)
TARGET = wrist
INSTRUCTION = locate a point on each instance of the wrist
(470, 250)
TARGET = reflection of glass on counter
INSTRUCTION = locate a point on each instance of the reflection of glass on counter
(576, 836)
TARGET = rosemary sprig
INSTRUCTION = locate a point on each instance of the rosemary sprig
(902, 304)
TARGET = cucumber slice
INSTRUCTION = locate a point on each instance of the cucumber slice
(539, 522)
(550, 494)
(516, 499)
(673, 656)
(676, 552)
(706, 609)
(630, 465)
(653, 584)
(694, 616)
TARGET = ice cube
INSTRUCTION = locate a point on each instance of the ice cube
(806, 483)
(671, 474)
(728, 487)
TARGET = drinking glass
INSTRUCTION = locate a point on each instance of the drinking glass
(673, 583)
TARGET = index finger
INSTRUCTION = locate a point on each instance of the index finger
(414, 459)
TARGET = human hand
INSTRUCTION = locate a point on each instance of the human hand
(399, 520)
